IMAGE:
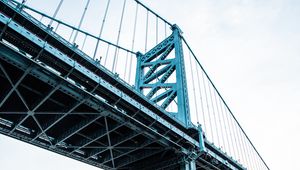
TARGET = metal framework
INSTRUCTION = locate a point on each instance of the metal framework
(155, 70)
(55, 97)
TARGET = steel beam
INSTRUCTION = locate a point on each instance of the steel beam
(116, 142)
(109, 143)
(188, 165)
(15, 86)
(58, 118)
(102, 145)
(143, 154)
(94, 137)
(76, 128)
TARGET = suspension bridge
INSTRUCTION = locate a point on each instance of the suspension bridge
(128, 94)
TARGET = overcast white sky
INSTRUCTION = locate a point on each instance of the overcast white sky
(251, 50)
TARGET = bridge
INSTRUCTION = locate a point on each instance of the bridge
(133, 102)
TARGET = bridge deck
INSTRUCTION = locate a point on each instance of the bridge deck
(55, 97)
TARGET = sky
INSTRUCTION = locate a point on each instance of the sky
(251, 50)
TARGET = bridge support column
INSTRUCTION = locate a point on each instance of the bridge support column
(189, 164)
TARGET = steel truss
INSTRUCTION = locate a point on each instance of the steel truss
(55, 97)
(156, 67)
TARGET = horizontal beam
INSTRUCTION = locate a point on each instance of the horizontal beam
(78, 127)
(105, 85)
(158, 84)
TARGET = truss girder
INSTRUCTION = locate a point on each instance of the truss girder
(61, 116)
(76, 128)
(118, 104)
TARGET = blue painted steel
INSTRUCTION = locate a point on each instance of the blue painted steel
(201, 140)
(64, 58)
(156, 78)
(193, 148)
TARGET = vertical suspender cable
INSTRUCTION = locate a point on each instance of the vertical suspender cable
(225, 104)
(243, 147)
(56, 27)
(71, 35)
(106, 55)
(208, 110)
(156, 38)
(83, 41)
(220, 123)
(201, 98)
(133, 39)
(56, 11)
(193, 84)
(230, 132)
(235, 137)
(126, 63)
(101, 29)
(81, 19)
(253, 159)
(250, 165)
(247, 152)
(213, 111)
(225, 127)
(42, 17)
(146, 39)
(118, 38)
(242, 158)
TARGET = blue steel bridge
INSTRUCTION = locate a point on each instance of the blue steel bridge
(129, 94)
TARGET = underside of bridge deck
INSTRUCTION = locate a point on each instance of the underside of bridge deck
(56, 99)
(58, 116)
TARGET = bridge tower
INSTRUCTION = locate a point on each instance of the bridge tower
(160, 76)
(55, 96)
